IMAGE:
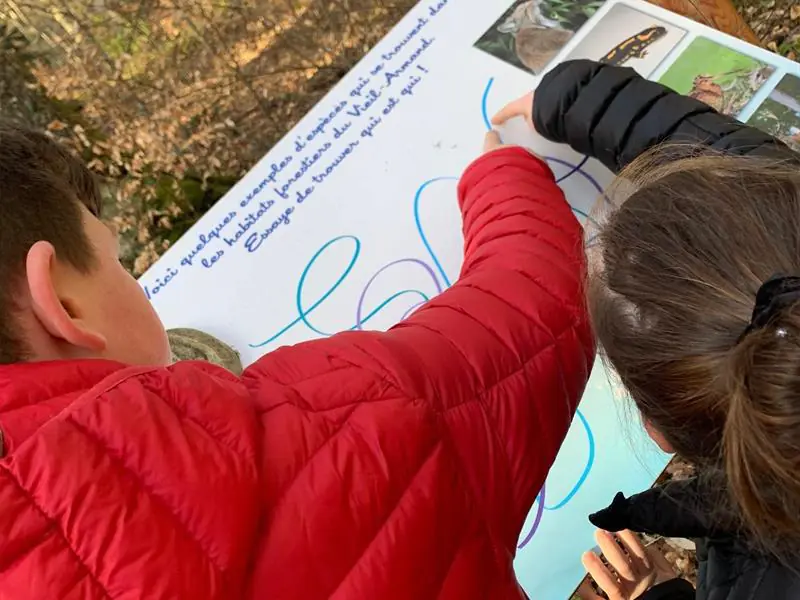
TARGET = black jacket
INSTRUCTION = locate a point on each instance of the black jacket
(613, 114)
(728, 568)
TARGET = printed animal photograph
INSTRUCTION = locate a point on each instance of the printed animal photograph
(715, 74)
(779, 114)
(631, 38)
(531, 32)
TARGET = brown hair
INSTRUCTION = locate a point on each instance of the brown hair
(674, 278)
(41, 189)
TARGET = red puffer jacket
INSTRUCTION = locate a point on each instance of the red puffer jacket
(367, 465)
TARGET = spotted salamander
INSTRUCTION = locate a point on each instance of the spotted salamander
(634, 47)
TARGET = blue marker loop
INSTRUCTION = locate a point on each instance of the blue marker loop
(589, 464)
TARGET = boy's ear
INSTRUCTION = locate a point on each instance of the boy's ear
(59, 315)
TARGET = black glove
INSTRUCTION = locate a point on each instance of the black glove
(615, 517)
(677, 509)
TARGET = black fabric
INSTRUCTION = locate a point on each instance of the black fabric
(773, 296)
(675, 589)
(728, 567)
(614, 115)
(674, 510)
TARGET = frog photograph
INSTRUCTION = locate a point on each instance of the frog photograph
(531, 32)
(779, 114)
(628, 37)
(717, 75)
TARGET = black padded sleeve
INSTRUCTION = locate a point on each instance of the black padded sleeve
(614, 115)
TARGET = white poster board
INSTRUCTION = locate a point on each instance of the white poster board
(351, 220)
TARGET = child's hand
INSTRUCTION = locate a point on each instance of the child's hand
(523, 107)
(492, 142)
(633, 571)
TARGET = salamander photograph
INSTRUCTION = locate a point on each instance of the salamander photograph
(630, 38)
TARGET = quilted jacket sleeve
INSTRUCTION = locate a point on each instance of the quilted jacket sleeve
(491, 371)
(505, 354)
(613, 114)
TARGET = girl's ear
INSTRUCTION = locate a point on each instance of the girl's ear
(52, 307)
(658, 437)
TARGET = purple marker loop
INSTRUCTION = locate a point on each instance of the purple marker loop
(536, 520)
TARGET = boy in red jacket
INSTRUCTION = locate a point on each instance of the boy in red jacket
(368, 465)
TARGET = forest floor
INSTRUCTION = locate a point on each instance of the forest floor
(775, 22)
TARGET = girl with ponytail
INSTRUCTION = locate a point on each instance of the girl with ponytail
(694, 293)
(695, 312)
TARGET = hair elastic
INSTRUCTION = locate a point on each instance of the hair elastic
(775, 294)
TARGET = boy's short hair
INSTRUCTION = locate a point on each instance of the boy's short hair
(42, 187)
